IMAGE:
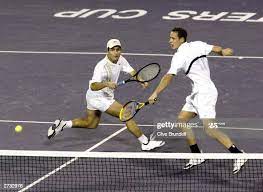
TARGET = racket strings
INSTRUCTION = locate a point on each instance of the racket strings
(148, 73)
(128, 111)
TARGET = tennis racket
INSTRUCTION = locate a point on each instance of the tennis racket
(145, 74)
(130, 109)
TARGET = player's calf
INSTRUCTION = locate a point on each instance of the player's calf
(85, 123)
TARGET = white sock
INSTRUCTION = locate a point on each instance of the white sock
(68, 124)
(143, 139)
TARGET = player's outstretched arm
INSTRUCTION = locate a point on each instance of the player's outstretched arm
(222, 51)
(166, 80)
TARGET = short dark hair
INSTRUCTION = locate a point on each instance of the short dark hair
(112, 47)
(180, 32)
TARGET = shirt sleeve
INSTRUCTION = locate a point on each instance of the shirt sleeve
(126, 66)
(177, 64)
(97, 74)
(205, 48)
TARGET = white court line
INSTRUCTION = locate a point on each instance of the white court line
(49, 122)
(32, 122)
(71, 161)
(119, 124)
(135, 54)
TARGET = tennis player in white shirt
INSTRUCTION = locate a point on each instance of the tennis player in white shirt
(190, 58)
(100, 97)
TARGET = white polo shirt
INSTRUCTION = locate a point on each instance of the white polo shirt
(198, 71)
(105, 70)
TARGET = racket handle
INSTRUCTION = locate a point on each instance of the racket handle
(147, 102)
(120, 83)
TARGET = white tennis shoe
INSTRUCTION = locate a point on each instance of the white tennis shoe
(56, 128)
(152, 145)
(194, 162)
(238, 164)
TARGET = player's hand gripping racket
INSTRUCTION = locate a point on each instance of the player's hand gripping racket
(145, 74)
(130, 109)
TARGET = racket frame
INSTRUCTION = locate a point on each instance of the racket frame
(134, 77)
(139, 106)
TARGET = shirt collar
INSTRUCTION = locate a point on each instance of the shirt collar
(182, 46)
(108, 61)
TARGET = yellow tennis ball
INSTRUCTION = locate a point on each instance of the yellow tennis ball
(18, 128)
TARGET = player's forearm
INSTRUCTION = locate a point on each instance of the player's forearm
(166, 80)
(217, 49)
(96, 86)
(222, 51)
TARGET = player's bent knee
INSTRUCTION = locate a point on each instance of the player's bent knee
(89, 126)
(185, 116)
(92, 126)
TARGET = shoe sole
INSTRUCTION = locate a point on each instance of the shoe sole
(162, 144)
(185, 168)
(236, 171)
(54, 126)
(53, 134)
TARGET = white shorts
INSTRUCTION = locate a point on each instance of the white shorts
(203, 104)
(99, 103)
